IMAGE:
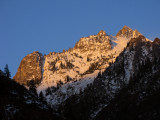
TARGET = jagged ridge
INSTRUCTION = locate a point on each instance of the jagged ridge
(76, 67)
(136, 66)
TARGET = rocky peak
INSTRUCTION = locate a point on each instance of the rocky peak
(126, 28)
(30, 68)
(156, 40)
(102, 33)
(99, 42)
(128, 32)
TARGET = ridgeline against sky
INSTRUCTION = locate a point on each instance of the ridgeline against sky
(27, 26)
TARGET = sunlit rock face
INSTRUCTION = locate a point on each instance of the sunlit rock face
(128, 32)
(99, 42)
(75, 68)
(30, 69)
(89, 56)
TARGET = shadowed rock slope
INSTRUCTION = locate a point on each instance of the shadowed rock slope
(127, 90)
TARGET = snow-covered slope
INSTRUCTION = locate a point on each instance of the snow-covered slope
(85, 75)
(74, 69)
(91, 53)
(70, 71)
(138, 55)
(75, 63)
(140, 94)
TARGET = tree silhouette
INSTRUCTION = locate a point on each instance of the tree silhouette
(7, 72)
(32, 87)
(41, 97)
(1, 73)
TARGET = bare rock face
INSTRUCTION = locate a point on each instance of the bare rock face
(128, 33)
(30, 69)
(102, 33)
(156, 41)
(99, 42)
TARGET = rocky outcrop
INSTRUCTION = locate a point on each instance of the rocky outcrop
(30, 69)
(102, 33)
(99, 42)
(156, 41)
(128, 32)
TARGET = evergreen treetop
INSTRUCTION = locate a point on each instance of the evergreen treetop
(7, 72)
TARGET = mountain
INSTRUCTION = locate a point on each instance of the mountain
(127, 90)
(139, 99)
(75, 68)
(103, 77)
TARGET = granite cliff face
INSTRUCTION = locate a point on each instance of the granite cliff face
(30, 69)
(128, 32)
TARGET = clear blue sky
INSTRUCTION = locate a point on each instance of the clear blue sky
(54, 25)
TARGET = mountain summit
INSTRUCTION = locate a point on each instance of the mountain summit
(99, 42)
(128, 32)
(103, 77)
(72, 70)
(102, 33)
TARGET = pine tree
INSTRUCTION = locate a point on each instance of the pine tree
(32, 87)
(1, 73)
(99, 75)
(7, 72)
(41, 97)
(48, 91)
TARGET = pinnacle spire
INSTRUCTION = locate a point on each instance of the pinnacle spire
(102, 33)
(126, 27)
(128, 32)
